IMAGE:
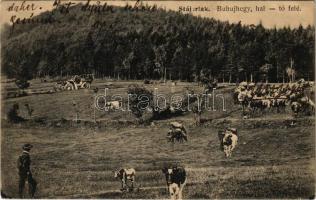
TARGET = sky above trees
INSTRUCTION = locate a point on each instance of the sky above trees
(269, 19)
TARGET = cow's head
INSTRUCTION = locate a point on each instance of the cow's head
(295, 106)
(168, 173)
(118, 173)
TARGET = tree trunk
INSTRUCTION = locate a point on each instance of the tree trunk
(277, 72)
(165, 75)
(283, 78)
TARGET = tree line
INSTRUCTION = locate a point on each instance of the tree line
(156, 44)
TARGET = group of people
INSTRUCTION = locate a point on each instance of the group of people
(261, 96)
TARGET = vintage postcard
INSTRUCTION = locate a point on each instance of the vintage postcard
(157, 99)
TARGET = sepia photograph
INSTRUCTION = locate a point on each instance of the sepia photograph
(157, 99)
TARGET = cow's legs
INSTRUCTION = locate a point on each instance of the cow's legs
(122, 184)
(179, 195)
(231, 151)
(181, 189)
(226, 151)
(133, 183)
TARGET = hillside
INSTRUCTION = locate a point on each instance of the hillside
(153, 44)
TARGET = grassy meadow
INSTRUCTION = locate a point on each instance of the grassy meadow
(273, 159)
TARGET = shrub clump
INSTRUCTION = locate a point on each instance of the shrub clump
(13, 115)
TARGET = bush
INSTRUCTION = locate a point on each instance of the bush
(22, 84)
(146, 81)
(13, 114)
(137, 100)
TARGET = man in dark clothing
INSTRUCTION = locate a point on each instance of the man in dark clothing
(24, 163)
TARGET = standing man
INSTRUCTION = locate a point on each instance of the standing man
(24, 163)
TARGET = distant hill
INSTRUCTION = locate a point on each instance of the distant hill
(153, 45)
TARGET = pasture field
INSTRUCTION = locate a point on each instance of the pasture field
(274, 157)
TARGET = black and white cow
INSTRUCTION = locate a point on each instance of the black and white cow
(124, 175)
(176, 179)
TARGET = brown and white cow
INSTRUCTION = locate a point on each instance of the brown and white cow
(228, 141)
(124, 175)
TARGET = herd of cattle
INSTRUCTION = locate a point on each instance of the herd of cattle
(75, 83)
(252, 96)
(176, 175)
(260, 96)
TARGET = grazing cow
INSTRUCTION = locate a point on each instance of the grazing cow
(124, 175)
(175, 177)
(176, 135)
(228, 141)
(177, 132)
(304, 104)
(296, 107)
(113, 105)
(243, 98)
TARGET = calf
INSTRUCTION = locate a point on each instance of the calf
(113, 105)
(228, 141)
(175, 178)
(124, 175)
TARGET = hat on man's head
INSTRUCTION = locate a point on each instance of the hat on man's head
(27, 147)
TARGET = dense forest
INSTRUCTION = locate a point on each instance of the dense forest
(156, 44)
